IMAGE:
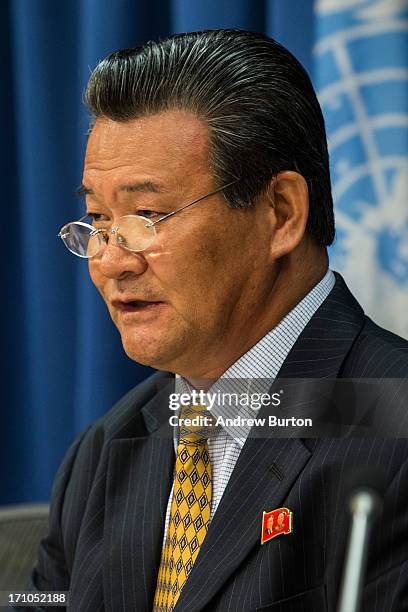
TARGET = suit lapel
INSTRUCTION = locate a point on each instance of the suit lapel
(321, 348)
(236, 527)
(139, 480)
(267, 467)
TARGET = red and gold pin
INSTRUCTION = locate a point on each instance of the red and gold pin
(275, 523)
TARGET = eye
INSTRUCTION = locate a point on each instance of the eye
(97, 218)
(150, 214)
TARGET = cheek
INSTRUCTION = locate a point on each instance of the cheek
(186, 265)
(197, 275)
(97, 278)
(93, 272)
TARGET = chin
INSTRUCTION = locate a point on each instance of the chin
(163, 346)
(154, 354)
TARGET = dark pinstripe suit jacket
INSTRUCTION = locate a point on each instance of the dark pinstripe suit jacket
(110, 495)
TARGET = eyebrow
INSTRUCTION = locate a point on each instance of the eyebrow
(138, 187)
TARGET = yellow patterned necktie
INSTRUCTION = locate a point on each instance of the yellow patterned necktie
(190, 510)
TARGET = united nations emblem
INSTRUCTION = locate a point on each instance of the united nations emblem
(362, 80)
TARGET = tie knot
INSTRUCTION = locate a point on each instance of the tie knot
(195, 424)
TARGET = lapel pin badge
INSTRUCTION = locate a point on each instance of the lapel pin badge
(275, 523)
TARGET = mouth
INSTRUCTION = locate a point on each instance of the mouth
(135, 306)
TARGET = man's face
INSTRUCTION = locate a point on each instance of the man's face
(201, 285)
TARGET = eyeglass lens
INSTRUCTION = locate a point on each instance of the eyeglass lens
(83, 239)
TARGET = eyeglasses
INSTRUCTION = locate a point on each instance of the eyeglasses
(134, 232)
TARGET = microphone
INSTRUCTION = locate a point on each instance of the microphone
(366, 489)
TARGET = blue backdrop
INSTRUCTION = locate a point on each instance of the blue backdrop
(63, 363)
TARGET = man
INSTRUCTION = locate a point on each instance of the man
(208, 216)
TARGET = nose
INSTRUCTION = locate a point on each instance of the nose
(116, 261)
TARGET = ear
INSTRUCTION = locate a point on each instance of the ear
(289, 198)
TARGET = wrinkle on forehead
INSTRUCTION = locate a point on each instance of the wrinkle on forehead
(172, 140)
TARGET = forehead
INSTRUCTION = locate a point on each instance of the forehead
(166, 146)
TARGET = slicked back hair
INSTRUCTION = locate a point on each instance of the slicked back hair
(255, 97)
